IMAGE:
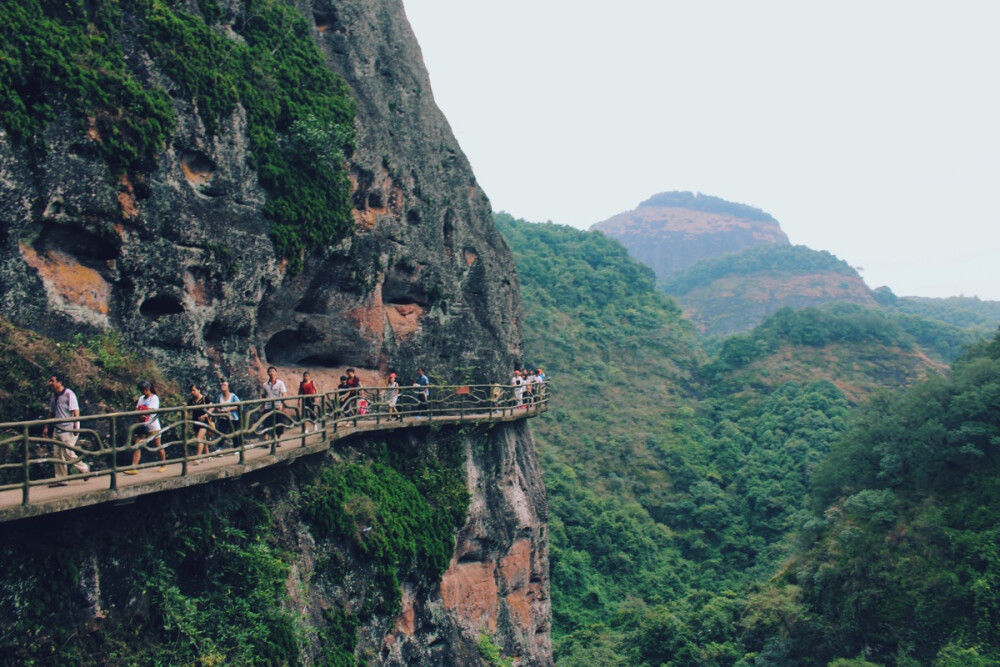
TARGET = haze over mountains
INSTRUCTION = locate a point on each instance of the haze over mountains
(730, 265)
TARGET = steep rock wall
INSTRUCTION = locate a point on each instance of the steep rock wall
(178, 260)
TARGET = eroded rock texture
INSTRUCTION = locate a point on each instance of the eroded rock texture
(178, 261)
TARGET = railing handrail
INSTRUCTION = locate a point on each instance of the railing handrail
(296, 417)
(251, 401)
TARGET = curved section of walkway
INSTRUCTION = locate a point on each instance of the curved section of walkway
(256, 445)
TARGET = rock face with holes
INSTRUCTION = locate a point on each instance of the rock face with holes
(178, 261)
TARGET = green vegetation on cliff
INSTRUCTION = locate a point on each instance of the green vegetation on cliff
(70, 57)
(217, 575)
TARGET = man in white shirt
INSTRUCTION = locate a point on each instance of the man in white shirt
(518, 383)
(274, 388)
(64, 404)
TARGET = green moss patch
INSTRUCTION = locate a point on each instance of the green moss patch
(399, 508)
(69, 56)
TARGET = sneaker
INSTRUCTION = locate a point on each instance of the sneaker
(162, 469)
(131, 472)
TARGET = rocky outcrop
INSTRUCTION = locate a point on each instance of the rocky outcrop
(673, 230)
(178, 261)
(498, 581)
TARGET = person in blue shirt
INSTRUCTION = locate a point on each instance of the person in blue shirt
(423, 393)
(229, 415)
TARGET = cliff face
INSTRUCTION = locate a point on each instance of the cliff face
(177, 257)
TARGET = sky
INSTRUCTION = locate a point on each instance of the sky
(867, 129)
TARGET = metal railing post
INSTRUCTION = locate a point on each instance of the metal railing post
(25, 497)
(114, 453)
(184, 443)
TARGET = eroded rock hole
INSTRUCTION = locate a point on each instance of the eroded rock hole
(199, 170)
(161, 305)
(326, 18)
(88, 248)
(215, 332)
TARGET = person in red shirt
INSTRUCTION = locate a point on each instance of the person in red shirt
(308, 388)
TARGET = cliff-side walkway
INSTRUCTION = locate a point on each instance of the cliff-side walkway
(262, 434)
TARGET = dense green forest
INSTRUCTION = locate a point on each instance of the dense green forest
(900, 561)
(773, 259)
(681, 497)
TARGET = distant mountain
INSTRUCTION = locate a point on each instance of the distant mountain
(673, 230)
(735, 292)
(859, 350)
(729, 265)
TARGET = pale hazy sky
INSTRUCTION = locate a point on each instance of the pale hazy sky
(869, 129)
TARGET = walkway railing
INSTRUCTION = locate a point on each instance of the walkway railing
(106, 443)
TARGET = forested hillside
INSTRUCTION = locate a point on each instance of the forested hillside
(734, 292)
(899, 562)
(678, 480)
(665, 507)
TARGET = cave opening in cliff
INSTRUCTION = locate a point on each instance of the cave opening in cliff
(161, 305)
(293, 347)
(321, 361)
(89, 249)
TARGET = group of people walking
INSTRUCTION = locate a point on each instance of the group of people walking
(527, 385)
(222, 416)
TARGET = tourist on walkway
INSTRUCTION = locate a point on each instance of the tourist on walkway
(149, 428)
(351, 400)
(496, 397)
(63, 404)
(200, 420)
(342, 395)
(518, 383)
(541, 387)
(308, 388)
(229, 415)
(392, 397)
(274, 388)
(423, 393)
